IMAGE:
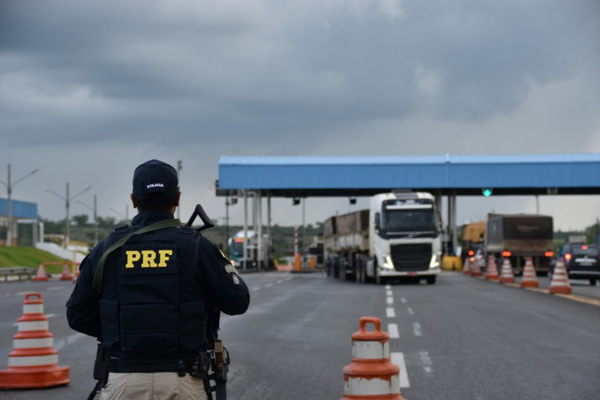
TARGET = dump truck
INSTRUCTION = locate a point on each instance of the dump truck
(518, 236)
(472, 239)
(399, 236)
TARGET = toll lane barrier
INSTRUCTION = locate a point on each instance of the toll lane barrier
(33, 363)
(371, 375)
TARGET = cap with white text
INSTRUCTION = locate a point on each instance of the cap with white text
(155, 182)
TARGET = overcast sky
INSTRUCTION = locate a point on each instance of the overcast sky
(91, 89)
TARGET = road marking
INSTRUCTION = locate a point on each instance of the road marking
(390, 300)
(388, 286)
(410, 311)
(425, 362)
(398, 359)
(279, 281)
(24, 293)
(50, 315)
(390, 312)
(58, 345)
(417, 330)
(256, 289)
(402, 299)
(393, 331)
(389, 293)
(55, 288)
(268, 285)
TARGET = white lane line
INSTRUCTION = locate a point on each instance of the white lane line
(68, 340)
(393, 331)
(390, 312)
(268, 285)
(388, 287)
(50, 315)
(403, 300)
(389, 293)
(398, 359)
(279, 281)
(289, 278)
(410, 311)
(417, 330)
(24, 293)
(425, 362)
(390, 300)
(256, 289)
(55, 288)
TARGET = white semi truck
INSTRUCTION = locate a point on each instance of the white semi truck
(399, 236)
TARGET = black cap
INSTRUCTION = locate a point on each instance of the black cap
(155, 182)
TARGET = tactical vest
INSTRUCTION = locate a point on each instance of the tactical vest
(151, 305)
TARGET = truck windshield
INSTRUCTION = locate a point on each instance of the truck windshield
(408, 221)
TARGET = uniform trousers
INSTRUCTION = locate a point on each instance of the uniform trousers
(153, 386)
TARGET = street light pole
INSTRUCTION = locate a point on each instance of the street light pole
(94, 209)
(67, 201)
(9, 187)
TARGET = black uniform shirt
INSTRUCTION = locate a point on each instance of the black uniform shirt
(221, 283)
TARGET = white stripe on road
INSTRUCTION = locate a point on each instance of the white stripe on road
(390, 300)
(410, 311)
(268, 285)
(390, 312)
(398, 359)
(389, 293)
(403, 300)
(56, 288)
(425, 362)
(393, 331)
(388, 286)
(256, 289)
(417, 329)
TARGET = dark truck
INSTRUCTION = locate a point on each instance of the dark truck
(519, 236)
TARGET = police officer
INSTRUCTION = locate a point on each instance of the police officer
(146, 295)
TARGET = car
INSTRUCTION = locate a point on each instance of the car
(582, 261)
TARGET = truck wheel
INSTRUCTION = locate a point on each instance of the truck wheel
(592, 282)
(431, 279)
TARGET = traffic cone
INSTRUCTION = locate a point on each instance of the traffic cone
(66, 274)
(492, 270)
(371, 375)
(529, 277)
(560, 279)
(507, 276)
(475, 268)
(467, 266)
(33, 363)
(41, 275)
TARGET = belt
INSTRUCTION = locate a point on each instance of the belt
(180, 366)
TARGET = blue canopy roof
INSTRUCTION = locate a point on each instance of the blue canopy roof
(465, 174)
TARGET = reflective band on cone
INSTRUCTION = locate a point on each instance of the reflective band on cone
(507, 276)
(529, 279)
(33, 363)
(560, 279)
(371, 375)
(492, 269)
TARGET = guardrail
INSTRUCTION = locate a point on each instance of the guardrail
(18, 271)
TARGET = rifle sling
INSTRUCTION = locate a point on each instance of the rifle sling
(167, 223)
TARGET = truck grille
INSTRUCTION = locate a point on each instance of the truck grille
(411, 257)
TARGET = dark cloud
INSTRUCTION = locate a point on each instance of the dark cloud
(196, 80)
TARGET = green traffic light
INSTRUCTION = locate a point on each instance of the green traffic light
(487, 192)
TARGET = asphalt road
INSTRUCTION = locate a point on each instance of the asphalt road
(463, 338)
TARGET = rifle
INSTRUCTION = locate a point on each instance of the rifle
(219, 356)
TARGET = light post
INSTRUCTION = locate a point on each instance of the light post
(95, 217)
(9, 187)
(67, 201)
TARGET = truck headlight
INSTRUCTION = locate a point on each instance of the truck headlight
(387, 263)
(435, 262)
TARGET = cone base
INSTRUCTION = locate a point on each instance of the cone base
(530, 285)
(560, 290)
(34, 377)
(396, 396)
(507, 280)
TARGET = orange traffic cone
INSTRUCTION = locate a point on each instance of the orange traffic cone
(41, 275)
(467, 266)
(492, 269)
(529, 277)
(507, 276)
(33, 363)
(66, 274)
(371, 375)
(560, 279)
